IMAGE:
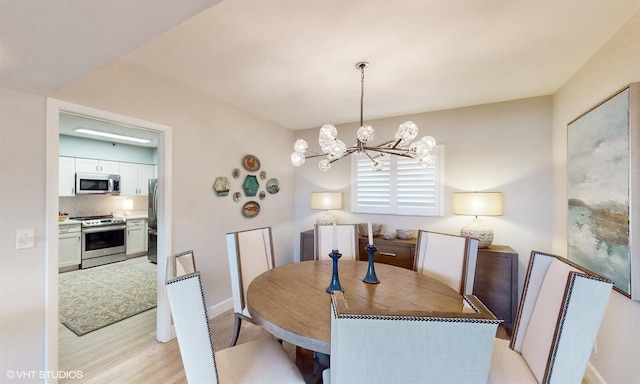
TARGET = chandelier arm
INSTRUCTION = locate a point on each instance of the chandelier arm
(348, 152)
(392, 147)
(391, 151)
(316, 155)
(395, 144)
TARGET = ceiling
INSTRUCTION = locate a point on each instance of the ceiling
(293, 61)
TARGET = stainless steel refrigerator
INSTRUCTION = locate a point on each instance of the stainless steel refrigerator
(153, 220)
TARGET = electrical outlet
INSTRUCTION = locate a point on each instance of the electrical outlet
(25, 238)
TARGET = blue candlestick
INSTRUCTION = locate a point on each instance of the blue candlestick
(371, 277)
(335, 281)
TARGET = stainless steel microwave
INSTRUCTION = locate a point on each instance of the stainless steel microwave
(96, 183)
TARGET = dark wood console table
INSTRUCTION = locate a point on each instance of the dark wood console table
(496, 278)
(496, 281)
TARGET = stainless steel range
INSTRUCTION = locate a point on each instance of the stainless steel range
(103, 240)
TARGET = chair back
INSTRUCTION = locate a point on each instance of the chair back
(180, 264)
(558, 318)
(450, 259)
(385, 348)
(250, 254)
(184, 263)
(192, 328)
(346, 241)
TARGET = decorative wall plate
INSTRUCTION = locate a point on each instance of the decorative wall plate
(273, 186)
(251, 163)
(251, 209)
(221, 186)
(262, 195)
(236, 196)
(263, 175)
(250, 185)
(236, 173)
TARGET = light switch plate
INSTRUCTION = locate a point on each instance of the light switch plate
(25, 238)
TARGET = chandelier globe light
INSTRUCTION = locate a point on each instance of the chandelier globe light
(334, 149)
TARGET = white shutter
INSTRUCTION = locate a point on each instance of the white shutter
(403, 187)
(372, 189)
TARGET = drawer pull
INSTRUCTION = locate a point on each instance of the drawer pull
(387, 254)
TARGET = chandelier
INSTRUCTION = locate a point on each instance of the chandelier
(334, 149)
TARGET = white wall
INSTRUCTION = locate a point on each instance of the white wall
(613, 67)
(22, 205)
(210, 139)
(503, 147)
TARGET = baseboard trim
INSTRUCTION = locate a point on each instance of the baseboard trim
(592, 376)
(212, 312)
(220, 308)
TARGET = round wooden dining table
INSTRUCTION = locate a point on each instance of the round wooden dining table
(291, 301)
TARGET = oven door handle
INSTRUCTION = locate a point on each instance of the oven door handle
(104, 228)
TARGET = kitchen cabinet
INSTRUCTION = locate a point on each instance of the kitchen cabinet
(134, 179)
(97, 166)
(69, 246)
(66, 176)
(136, 241)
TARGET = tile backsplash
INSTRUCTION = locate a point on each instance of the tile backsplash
(94, 205)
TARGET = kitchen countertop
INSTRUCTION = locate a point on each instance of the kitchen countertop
(135, 216)
(70, 222)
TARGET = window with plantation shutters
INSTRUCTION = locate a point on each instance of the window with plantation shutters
(402, 187)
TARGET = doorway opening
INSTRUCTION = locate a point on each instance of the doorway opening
(56, 108)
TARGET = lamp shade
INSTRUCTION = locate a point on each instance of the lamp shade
(477, 203)
(326, 200)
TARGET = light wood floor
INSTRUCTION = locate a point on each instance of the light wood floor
(128, 352)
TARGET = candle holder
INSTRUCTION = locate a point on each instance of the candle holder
(371, 277)
(335, 281)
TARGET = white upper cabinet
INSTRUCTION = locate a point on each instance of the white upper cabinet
(145, 172)
(134, 179)
(97, 166)
(67, 176)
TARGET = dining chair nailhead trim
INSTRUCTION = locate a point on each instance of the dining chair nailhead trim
(213, 351)
(412, 318)
(421, 318)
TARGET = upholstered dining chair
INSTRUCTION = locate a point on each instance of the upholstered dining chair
(184, 263)
(420, 347)
(347, 241)
(450, 259)
(556, 326)
(250, 254)
(180, 264)
(259, 361)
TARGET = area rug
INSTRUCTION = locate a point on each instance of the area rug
(94, 298)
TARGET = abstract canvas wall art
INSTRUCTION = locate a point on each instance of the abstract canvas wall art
(601, 167)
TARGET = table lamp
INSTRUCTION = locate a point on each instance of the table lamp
(326, 201)
(478, 204)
